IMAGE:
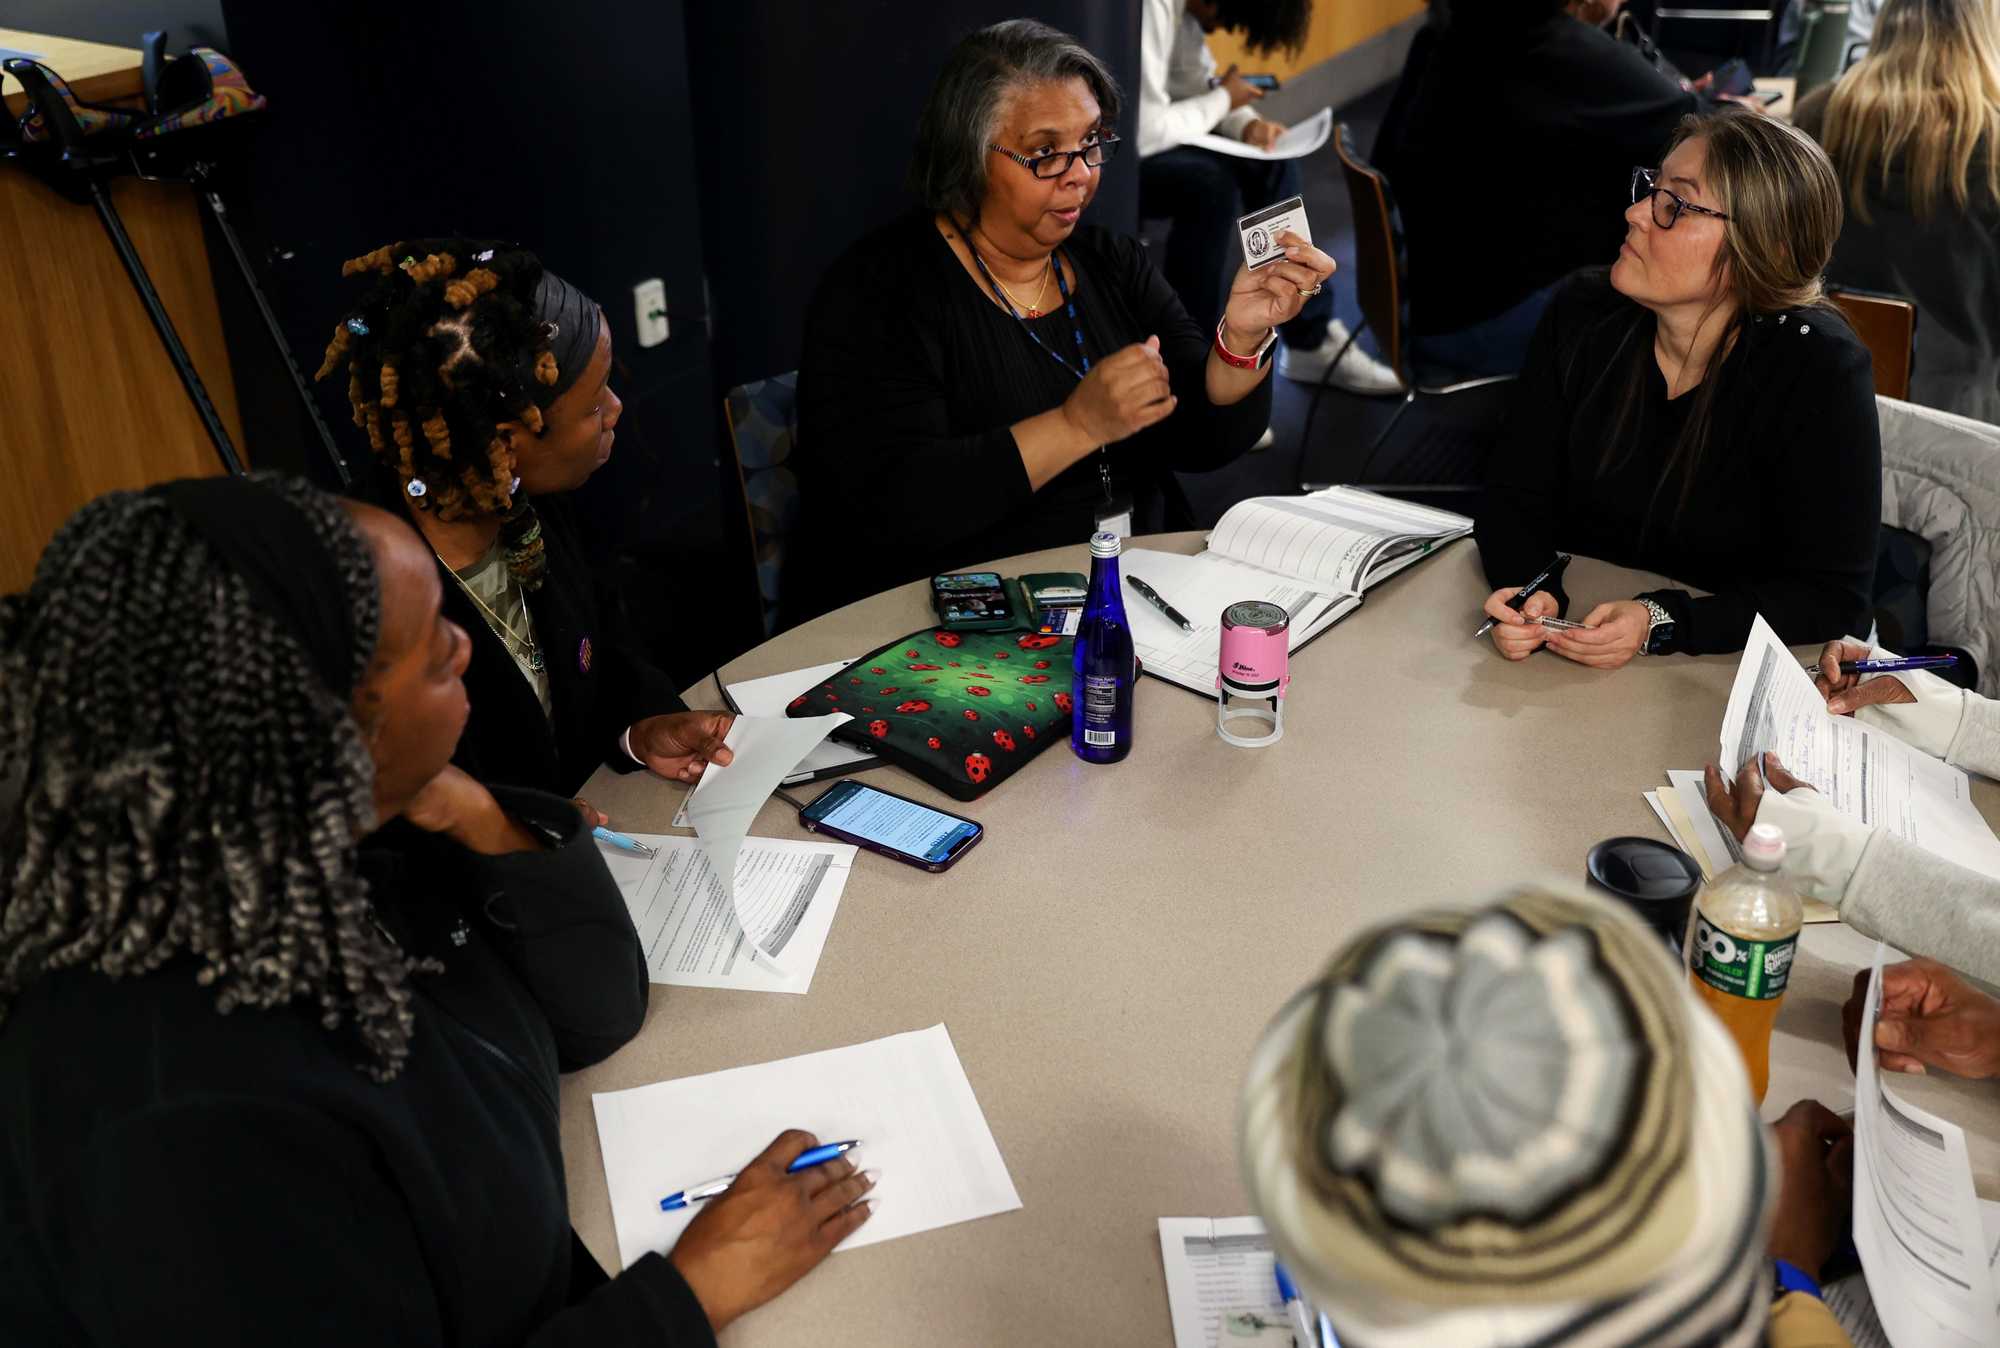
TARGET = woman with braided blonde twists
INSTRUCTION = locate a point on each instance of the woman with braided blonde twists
(482, 382)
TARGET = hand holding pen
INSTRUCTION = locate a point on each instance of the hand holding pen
(770, 1227)
(1841, 678)
(1515, 613)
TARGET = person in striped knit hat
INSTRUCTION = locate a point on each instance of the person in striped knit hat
(1514, 1126)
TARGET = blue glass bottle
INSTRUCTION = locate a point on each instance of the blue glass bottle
(1105, 668)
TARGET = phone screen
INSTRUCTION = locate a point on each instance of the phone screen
(902, 825)
(972, 597)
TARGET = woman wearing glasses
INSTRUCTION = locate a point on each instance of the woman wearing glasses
(987, 376)
(1697, 411)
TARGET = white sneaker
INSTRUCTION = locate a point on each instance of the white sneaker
(1265, 441)
(1358, 372)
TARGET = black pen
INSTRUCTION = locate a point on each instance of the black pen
(1153, 597)
(1552, 569)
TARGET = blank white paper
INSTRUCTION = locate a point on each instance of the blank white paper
(906, 1098)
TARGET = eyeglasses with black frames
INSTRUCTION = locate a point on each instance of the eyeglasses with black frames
(1667, 204)
(1056, 163)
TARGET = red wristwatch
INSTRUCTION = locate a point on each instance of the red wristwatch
(1256, 360)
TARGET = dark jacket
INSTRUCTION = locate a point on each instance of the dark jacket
(1949, 264)
(912, 380)
(1510, 153)
(599, 681)
(1780, 519)
(169, 1174)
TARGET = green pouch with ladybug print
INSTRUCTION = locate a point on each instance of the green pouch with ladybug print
(961, 710)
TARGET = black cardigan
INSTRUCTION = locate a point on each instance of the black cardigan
(172, 1175)
(1782, 517)
(1510, 154)
(910, 382)
(598, 690)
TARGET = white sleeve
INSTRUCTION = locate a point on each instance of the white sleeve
(1822, 845)
(1163, 121)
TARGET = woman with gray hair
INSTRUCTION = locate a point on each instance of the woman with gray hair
(989, 376)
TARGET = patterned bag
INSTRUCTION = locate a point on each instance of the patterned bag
(961, 710)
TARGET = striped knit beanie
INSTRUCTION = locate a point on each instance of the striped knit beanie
(1512, 1126)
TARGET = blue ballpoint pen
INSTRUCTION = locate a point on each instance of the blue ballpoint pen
(630, 844)
(1892, 666)
(1304, 1333)
(806, 1161)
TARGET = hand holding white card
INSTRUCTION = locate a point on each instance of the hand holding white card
(1260, 231)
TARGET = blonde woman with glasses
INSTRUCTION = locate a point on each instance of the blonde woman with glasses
(1914, 132)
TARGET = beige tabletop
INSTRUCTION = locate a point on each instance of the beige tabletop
(1105, 958)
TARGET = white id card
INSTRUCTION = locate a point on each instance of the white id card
(1260, 231)
(1115, 516)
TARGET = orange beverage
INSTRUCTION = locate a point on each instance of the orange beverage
(1746, 930)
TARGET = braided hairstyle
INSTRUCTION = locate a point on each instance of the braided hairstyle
(1267, 26)
(176, 780)
(444, 345)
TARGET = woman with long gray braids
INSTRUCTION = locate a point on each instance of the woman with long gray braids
(283, 994)
(482, 381)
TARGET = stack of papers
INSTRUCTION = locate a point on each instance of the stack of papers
(1313, 556)
(904, 1098)
(1682, 806)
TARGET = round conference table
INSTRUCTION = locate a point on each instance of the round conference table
(1106, 957)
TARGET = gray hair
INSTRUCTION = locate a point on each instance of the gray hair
(948, 170)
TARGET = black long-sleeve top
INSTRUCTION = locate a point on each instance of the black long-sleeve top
(1782, 513)
(600, 682)
(1510, 152)
(911, 380)
(169, 1174)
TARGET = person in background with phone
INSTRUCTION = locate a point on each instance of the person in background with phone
(284, 995)
(989, 375)
(1424, 1193)
(1204, 193)
(482, 381)
(1698, 411)
(1490, 88)
(1883, 886)
(1914, 131)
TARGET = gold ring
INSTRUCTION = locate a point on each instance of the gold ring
(1307, 293)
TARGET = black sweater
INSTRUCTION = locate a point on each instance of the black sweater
(910, 382)
(1782, 516)
(598, 689)
(1510, 154)
(172, 1175)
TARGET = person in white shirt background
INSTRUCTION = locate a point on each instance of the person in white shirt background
(1181, 96)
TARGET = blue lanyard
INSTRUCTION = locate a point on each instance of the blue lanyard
(1062, 288)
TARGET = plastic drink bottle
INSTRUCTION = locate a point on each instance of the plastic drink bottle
(1746, 930)
(1104, 665)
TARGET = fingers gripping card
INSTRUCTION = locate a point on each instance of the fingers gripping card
(1260, 231)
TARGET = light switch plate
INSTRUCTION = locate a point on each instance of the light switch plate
(649, 311)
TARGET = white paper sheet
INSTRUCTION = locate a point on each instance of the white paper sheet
(1221, 1286)
(688, 925)
(1916, 1217)
(1201, 587)
(905, 1098)
(725, 802)
(770, 696)
(1854, 1307)
(1298, 140)
(1866, 774)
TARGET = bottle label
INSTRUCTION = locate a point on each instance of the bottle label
(1100, 711)
(1756, 970)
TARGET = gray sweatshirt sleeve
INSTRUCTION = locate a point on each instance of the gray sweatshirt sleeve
(1925, 905)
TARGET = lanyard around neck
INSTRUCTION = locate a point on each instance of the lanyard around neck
(1069, 306)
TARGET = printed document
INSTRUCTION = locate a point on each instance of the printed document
(770, 696)
(1866, 773)
(725, 802)
(687, 922)
(904, 1098)
(1297, 141)
(1222, 1287)
(1916, 1218)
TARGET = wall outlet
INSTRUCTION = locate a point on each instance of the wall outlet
(649, 311)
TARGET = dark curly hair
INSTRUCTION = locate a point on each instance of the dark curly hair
(176, 780)
(444, 345)
(1267, 25)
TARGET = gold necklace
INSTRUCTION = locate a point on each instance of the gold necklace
(508, 636)
(1033, 310)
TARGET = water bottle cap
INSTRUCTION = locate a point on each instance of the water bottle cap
(1104, 543)
(1764, 849)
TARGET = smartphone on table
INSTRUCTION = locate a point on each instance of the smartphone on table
(893, 825)
(972, 601)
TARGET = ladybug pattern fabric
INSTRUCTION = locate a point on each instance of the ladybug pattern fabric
(963, 711)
